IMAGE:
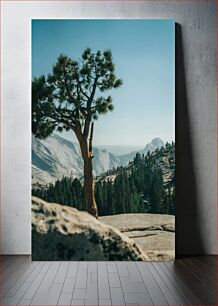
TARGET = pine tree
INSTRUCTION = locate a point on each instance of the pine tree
(157, 191)
(66, 100)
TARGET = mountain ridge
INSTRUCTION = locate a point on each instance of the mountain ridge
(156, 143)
(55, 157)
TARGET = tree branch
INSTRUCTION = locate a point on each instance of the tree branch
(80, 87)
(90, 140)
(63, 118)
(67, 88)
(88, 106)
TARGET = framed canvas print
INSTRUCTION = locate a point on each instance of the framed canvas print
(103, 139)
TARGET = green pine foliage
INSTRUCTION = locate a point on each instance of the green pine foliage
(74, 94)
(146, 185)
(67, 191)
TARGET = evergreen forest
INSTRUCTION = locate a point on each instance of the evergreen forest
(145, 185)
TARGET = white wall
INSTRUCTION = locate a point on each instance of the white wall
(198, 21)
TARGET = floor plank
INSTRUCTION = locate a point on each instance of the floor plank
(165, 288)
(191, 298)
(117, 297)
(69, 285)
(49, 277)
(26, 276)
(197, 287)
(176, 290)
(48, 298)
(17, 296)
(187, 281)
(155, 292)
(103, 282)
(65, 298)
(202, 270)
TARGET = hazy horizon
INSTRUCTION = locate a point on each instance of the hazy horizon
(117, 150)
(73, 139)
(144, 56)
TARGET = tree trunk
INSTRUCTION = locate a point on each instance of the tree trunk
(86, 150)
(89, 195)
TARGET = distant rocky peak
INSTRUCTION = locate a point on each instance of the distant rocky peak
(157, 142)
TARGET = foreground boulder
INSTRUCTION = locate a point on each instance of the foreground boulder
(63, 233)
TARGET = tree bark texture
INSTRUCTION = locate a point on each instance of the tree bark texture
(89, 195)
(86, 150)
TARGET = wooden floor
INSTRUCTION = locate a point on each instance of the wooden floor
(188, 281)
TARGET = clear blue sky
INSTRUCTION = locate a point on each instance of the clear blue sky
(144, 56)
